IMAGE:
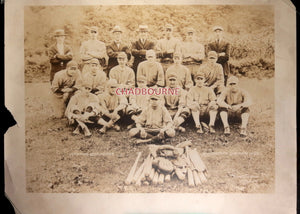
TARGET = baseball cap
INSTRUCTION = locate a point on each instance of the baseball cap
(154, 97)
(72, 63)
(94, 28)
(117, 28)
(143, 28)
(190, 30)
(218, 28)
(122, 55)
(232, 79)
(172, 76)
(177, 54)
(150, 53)
(94, 61)
(59, 32)
(212, 54)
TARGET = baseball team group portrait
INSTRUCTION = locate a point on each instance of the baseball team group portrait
(149, 99)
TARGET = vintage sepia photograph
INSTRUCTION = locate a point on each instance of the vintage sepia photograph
(149, 98)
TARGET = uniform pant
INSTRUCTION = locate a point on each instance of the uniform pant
(235, 115)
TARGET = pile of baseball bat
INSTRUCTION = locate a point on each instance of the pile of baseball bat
(166, 162)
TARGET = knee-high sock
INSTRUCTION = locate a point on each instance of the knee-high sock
(102, 122)
(196, 117)
(179, 121)
(212, 117)
(245, 117)
(224, 118)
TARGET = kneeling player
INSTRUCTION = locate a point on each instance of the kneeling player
(236, 102)
(202, 100)
(154, 123)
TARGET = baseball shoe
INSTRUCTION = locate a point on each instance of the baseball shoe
(199, 129)
(227, 130)
(76, 131)
(243, 132)
(102, 130)
(181, 129)
(212, 130)
(205, 126)
(117, 128)
(130, 126)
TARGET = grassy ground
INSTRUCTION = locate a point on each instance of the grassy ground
(58, 162)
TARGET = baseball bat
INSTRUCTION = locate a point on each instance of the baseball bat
(161, 178)
(151, 174)
(132, 170)
(138, 172)
(148, 166)
(155, 178)
(196, 178)
(190, 178)
(202, 177)
(167, 177)
(196, 160)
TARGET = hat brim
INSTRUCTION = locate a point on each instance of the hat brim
(220, 29)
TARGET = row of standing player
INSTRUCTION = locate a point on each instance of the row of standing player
(193, 53)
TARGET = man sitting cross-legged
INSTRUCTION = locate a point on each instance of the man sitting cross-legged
(82, 107)
(154, 123)
(112, 107)
(235, 102)
(202, 100)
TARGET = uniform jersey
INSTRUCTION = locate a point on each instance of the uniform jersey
(153, 72)
(231, 98)
(213, 74)
(97, 47)
(63, 80)
(97, 82)
(173, 101)
(124, 76)
(111, 102)
(200, 95)
(155, 118)
(81, 101)
(171, 45)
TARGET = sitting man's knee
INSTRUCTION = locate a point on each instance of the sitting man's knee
(213, 106)
(170, 132)
(133, 132)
